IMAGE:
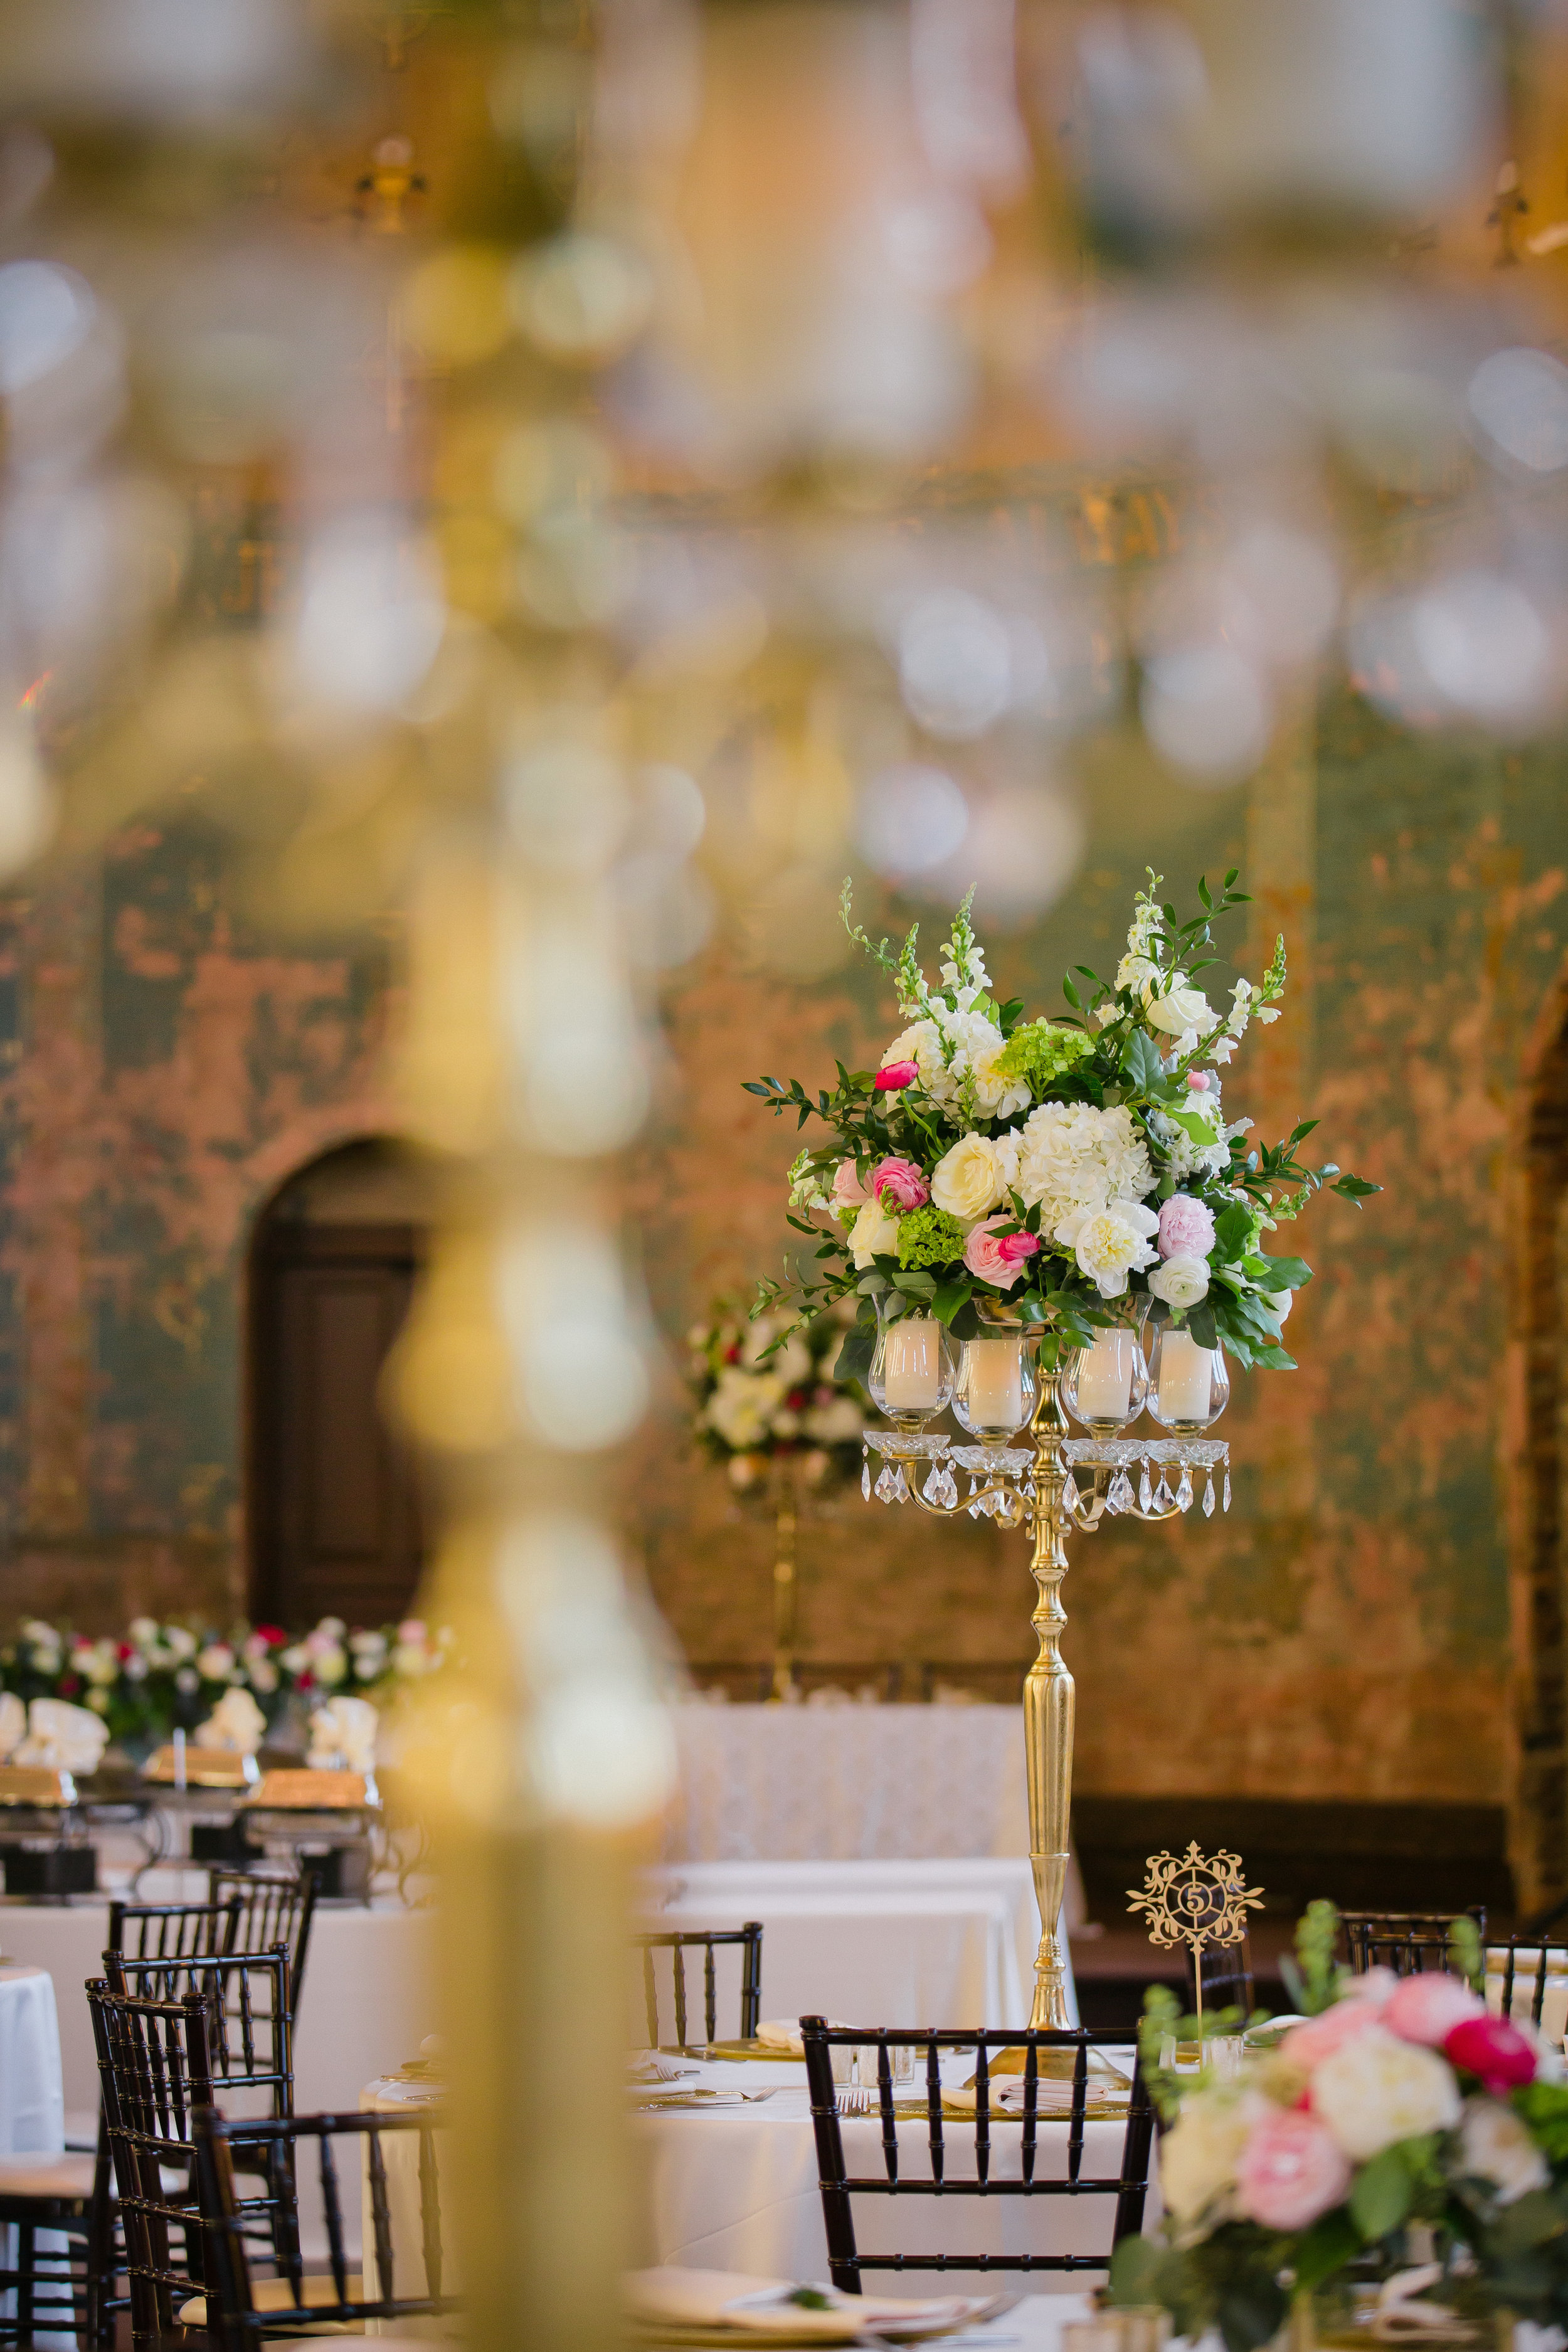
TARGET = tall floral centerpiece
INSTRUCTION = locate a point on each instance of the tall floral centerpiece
(1015, 1204)
(769, 1405)
(1393, 2163)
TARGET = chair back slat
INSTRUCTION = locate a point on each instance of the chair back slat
(1544, 1960)
(249, 2021)
(273, 1909)
(1125, 2188)
(173, 1931)
(1411, 1943)
(430, 2214)
(678, 1943)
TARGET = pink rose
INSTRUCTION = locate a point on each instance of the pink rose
(1493, 2049)
(1307, 2045)
(986, 1254)
(1426, 2008)
(1186, 1227)
(903, 1180)
(848, 1192)
(896, 1077)
(1015, 1248)
(1291, 2170)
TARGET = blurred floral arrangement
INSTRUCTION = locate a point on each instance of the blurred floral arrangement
(1071, 1167)
(749, 1412)
(1397, 2151)
(159, 1677)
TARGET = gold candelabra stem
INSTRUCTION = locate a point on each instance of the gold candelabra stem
(786, 1589)
(1048, 1697)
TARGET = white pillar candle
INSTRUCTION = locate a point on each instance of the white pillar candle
(995, 1383)
(1186, 1377)
(911, 1365)
(1105, 1378)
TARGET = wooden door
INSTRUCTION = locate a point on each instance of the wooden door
(334, 1506)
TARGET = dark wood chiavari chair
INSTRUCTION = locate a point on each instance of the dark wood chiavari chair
(1523, 1962)
(1228, 1978)
(678, 1943)
(238, 2309)
(274, 1909)
(159, 1931)
(1411, 1943)
(1128, 2185)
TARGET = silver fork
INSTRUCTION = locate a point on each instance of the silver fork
(855, 2099)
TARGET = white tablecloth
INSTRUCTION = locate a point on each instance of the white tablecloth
(799, 1783)
(366, 2003)
(736, 2188)
(942, 1944)
(32, 2120)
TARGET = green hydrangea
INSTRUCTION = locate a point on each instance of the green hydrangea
(1040, 1052)
(930, 1238)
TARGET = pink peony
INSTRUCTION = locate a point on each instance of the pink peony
(986, 1256)
(1307, 2045)
(1016, 1248)
(848, 1192)
(896, 1077)
(903, 1180)
(1494, 2049)
(1186, 1227)
(1427, 2008)
(1291, 2170)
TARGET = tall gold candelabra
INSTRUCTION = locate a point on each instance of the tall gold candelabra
(1040, 1489)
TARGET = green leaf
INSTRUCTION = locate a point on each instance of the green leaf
(1380, 2195)
(1140, 1063)
(1355, 1188)
(1192, 1124)
(1070, 993)
(950, 1296)
(1326, 2248)
(1231, 1228)
(916, 1281)
(1200, 1324)
(855, 1356)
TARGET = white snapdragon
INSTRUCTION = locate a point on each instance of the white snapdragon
(1072, 1156)
(1111, 1243)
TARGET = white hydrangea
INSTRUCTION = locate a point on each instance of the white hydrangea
(1072, 1156)
(1186, 1158)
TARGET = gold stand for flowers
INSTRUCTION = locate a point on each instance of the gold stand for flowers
(786, 1586)
(1040, 1490)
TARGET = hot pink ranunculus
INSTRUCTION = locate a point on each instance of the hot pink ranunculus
(1019, 1248)
(903, 1180)
(896, 1077)
(1291, 2170)
(1307, 2045)
(1186, 1227)
(1199, 1081)
(1426, 2008)
(1494, 2049)
(848, 1192)
(985, 1254)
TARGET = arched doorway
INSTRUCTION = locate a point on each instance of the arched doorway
(335, 1524)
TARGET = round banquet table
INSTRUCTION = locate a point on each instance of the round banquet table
(32, 2106)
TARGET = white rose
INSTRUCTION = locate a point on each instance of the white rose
(1376, 2089)
(1182, 1281)
(1199, 2154)
(876, 1235)
(102, 1663)
(1496, 2147)
(143, 1630)
(973, 1179)
(1181, 1009)
(1111, 1243)
(330, 1663)
(264, 1676)
(295, 1659)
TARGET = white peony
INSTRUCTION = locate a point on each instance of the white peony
(1496, 2147)
(1072, 1156)
(1111, 1243)
(1376, 2089)
(876, 1235)
(1182, 1281)
(1182, 1010)
(1199, 2154)
(973, 1179)
(743, 1404)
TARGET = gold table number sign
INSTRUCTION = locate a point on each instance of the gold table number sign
(1198, 1900)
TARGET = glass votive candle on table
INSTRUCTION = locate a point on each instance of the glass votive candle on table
(1189, 1387)
(1104, 1384)
(997, 1387)
(912, 1368)
(855, 2063)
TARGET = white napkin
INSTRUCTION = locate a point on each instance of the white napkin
(62, 1737)
(13, 1725)
(783, 2033)
(235, 1724)
(673, 2297)
(342, 1736)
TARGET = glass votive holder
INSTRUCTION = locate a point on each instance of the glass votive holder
(1104, 1384)
(1189, 1387)
(997, 1387)
(1120, 2327)
(855, 2063)
(913, 1366)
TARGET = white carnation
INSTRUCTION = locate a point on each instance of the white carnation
(1495, 2145)
(1376, 2089)
(1072, 1156)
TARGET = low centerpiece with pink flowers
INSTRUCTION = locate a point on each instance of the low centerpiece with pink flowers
(1394, 2166)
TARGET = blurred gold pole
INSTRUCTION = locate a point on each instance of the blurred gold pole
(787, 1582)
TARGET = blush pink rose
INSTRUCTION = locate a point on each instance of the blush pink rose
(1186, 1227)
(1291, 2170)
(985, 1253)
(903, 1180)
(1495, 2050)
(848, 1192)
(1307, 2045)
(896, 1077)
(1425, 2008)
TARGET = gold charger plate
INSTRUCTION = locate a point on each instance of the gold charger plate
(731, 2051)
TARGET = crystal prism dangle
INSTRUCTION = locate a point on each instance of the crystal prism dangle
(883, 1490)
(1069, 1494)
(1146, 1490)
(1208, 1496)
(866, 1478)
(1184, 1491)
(900, 1492)
(1121, 1496)
(1163, 1498)
(948, 1491)
(1227, 1485)
(932, 1487)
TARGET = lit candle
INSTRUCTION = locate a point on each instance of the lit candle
(995, 1383)
(1105, 1378)
(911, 1365)
(1186, 1377)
